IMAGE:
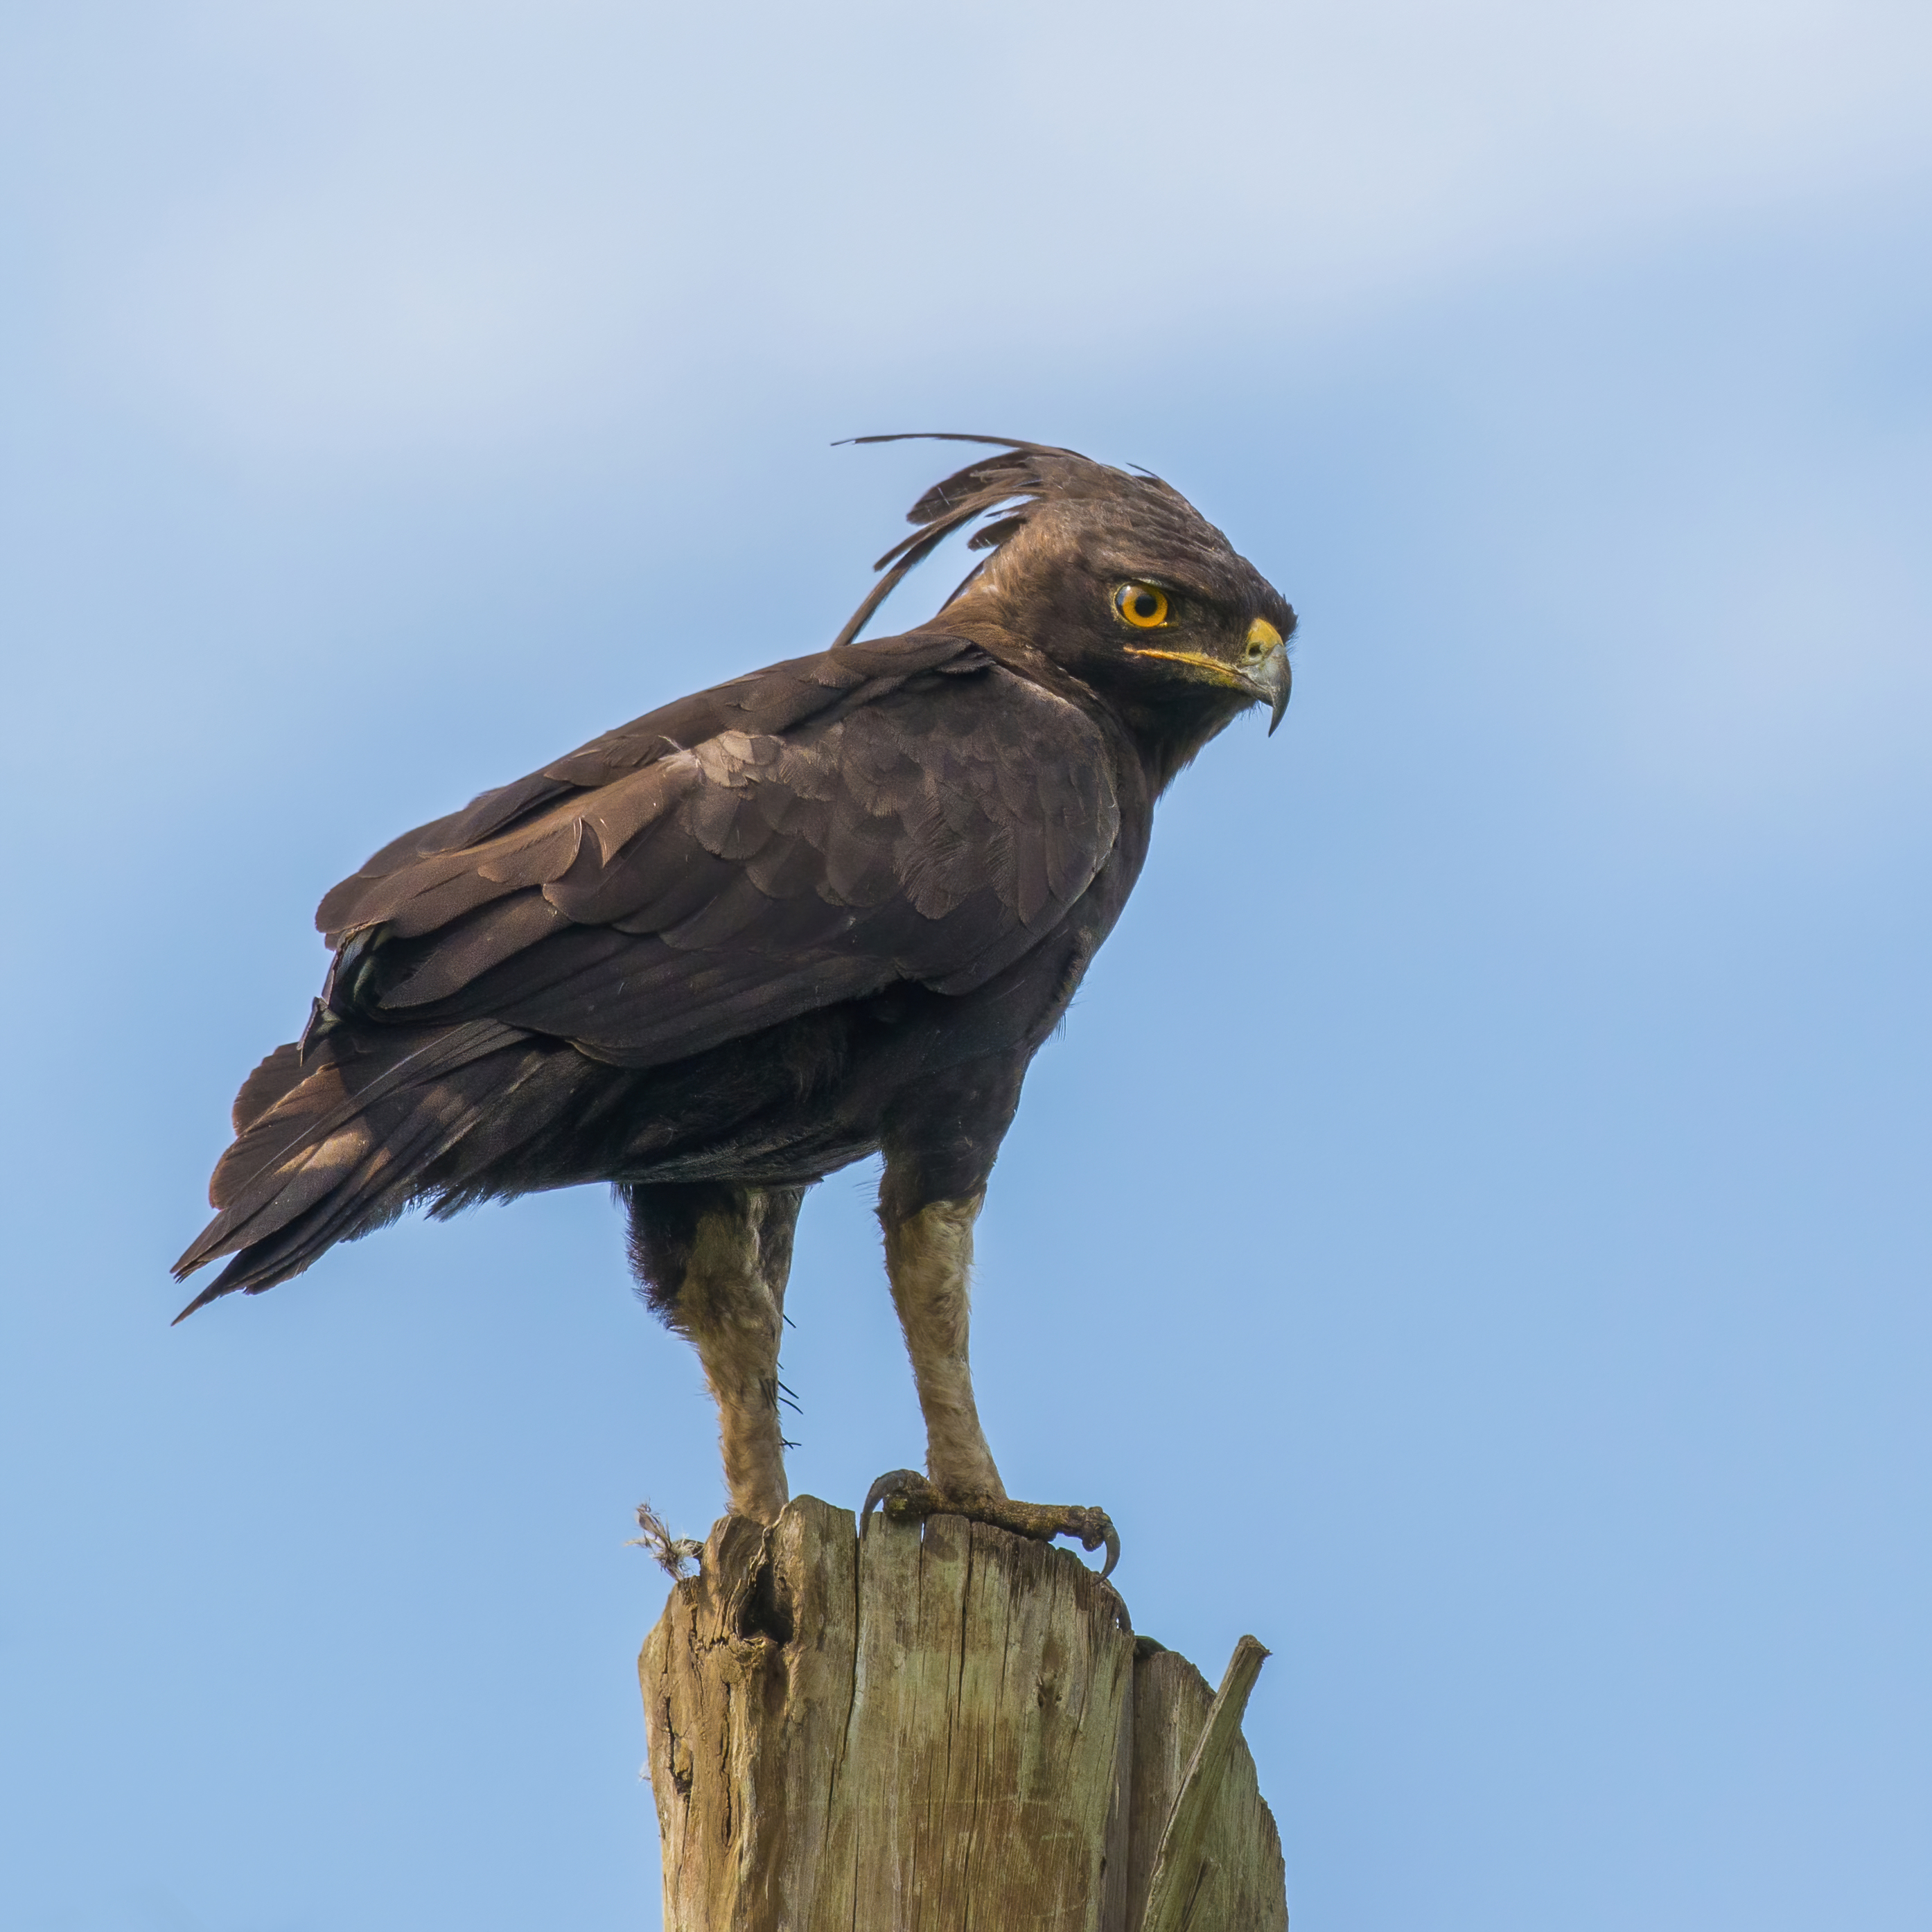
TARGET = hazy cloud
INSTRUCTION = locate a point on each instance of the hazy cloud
(380, 225)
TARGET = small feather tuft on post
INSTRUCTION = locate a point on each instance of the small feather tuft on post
(672, 1552)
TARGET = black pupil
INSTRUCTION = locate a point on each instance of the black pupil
(1144, 604)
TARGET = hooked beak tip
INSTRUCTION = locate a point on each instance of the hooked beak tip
(1273, 674)
(1282, 683)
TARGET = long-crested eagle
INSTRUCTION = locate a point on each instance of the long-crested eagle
(826, 909)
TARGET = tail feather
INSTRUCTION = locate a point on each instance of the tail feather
(381, 1119)
(271, 1082)
(353, 1071)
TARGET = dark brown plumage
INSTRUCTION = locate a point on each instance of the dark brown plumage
(826, 909)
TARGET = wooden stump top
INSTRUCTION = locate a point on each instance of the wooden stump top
(939, 1728)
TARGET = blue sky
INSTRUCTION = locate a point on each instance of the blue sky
(1473, 1232)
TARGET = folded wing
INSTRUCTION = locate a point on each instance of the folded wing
(909, 809)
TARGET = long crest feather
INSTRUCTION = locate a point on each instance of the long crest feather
(956, 500)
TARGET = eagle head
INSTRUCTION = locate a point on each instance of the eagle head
(1112, 575)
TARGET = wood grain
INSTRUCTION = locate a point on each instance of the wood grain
(944, 1726)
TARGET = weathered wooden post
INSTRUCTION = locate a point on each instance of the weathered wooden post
(944, 1725)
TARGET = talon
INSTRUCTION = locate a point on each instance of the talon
(1094, 1527)
(909, 1497)
(1111, 1538)
(897, 1485)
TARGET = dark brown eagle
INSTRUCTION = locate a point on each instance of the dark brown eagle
(826, 909)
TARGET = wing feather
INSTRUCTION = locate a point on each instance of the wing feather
(806, 835)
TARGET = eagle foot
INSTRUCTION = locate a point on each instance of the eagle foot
(907, 1496)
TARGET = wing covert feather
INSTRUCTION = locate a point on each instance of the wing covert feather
(844, 822)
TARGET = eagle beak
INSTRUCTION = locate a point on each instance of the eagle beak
(1266, 670)
(1261, 670)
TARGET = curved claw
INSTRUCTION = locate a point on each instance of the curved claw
(893, 1482)
(908, 1497)
(1094, 1527)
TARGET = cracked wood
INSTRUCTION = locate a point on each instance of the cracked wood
(927, 1731)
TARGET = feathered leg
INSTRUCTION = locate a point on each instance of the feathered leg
(929, 1258)
(713, 1260)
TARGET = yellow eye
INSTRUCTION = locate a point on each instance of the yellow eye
(1142, 605)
